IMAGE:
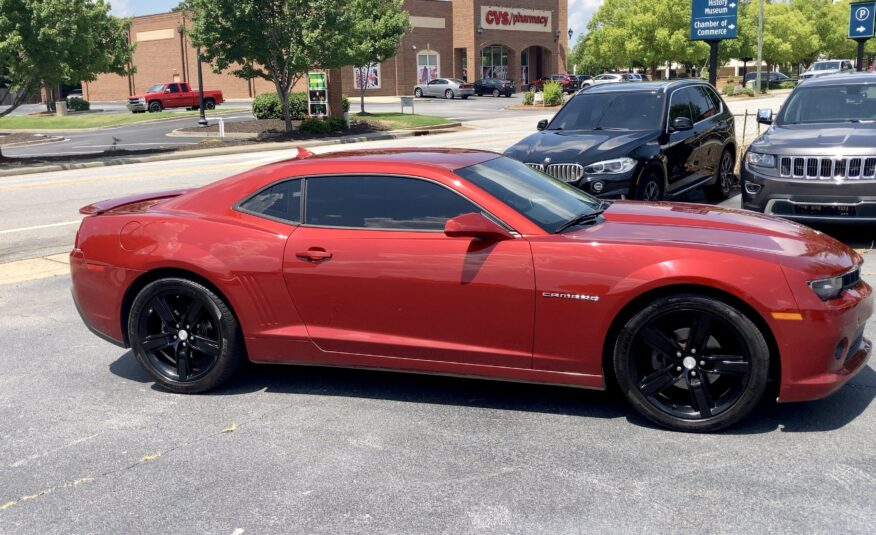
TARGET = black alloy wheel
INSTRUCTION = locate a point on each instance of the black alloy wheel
(692, 363)
(155, 106)
(649, 188)
(184, 335)
(209, 104)
(418, 93)
(724, 178)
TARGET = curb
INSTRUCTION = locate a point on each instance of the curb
(100, 128)
(221, 151)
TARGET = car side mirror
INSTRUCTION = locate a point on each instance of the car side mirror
(475, 225)
(542, 124)
(682, 123)
(765, 116)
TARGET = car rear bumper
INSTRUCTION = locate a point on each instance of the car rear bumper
(98, 290)
(810, 200)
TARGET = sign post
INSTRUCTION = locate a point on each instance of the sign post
(713, 21)
(862, 19)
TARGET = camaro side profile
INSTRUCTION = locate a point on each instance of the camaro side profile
(469, 263)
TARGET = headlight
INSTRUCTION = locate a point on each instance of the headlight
(611, 167)
(761, 160)
(827, 289)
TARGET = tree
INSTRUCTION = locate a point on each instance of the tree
(50, 42)
(277, 40)
(378, 26)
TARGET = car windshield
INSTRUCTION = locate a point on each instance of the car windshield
(846, 103)
(637, 110)
(545, 201)
(825, 66)
(155, 88)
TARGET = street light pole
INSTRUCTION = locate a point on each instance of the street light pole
(759, 46)
(202, 122)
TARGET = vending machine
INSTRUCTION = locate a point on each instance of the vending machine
(317, 94)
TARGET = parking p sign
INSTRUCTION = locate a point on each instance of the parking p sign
(861, 20)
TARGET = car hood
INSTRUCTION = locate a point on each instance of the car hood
(734, 231)
(580, 146)
(823, 72)
(818, 139)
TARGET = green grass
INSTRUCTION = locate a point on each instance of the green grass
(90, 120)
(401, 120)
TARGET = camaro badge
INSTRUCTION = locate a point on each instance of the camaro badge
(579, 297)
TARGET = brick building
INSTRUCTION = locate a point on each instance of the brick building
(516, 39)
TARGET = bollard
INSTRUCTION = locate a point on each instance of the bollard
(61, 108)
(221, 127)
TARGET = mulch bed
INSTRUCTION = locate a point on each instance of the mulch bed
(275, 129)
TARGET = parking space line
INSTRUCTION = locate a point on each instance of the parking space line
(38, 227)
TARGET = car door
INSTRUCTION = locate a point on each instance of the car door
(372, 273)
(682, 165)
(435, 87)
(171, 96)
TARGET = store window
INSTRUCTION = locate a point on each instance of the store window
(428, 66)
(494, 62)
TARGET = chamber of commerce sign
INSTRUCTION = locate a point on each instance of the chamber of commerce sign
(512, 18)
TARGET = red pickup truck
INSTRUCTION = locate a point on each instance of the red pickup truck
(172, 95)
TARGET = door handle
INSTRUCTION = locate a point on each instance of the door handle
(314, 255)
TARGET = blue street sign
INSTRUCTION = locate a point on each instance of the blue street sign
(712, 20)
(862, 18)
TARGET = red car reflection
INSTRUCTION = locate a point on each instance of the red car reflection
(469, 263)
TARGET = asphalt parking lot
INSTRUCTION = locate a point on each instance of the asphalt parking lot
(90, 445)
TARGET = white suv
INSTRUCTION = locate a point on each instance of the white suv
(823, 68)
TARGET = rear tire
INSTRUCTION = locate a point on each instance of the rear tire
(185, 336)
(692, 363)
(533, 88)
(448, 94)
(209, 104)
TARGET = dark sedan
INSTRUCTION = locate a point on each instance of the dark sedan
(495, 87)
(817, 161)
(648, 140)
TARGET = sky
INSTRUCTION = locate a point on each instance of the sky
(580, 11)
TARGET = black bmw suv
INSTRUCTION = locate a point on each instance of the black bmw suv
(649, 141)
(817, 160)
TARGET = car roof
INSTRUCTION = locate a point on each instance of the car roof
(660, 86)
(439, 157)
(843, 78)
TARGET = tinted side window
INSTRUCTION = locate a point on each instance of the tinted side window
(280, 201)
(679, 106)
(714, 98)
(701, 105)
(381, 202)
(173, 88)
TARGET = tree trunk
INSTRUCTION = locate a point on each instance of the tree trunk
(283, 93)
(654, 70)
(363, 85)
(19, 99)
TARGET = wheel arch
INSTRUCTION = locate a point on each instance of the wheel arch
(163, 273)
(656, 166)
(641, 300)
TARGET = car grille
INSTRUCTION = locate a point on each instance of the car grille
(133, 101)
(567, 172)
(852, 278)
(828, 168)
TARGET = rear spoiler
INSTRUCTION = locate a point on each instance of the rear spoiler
(101, 207)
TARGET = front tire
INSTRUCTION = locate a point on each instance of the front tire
(533, 88)
(724, 179)
(418, 93)
(155, 106)
(649, 188)
(496, 93)
(185, 336)
(692, 363)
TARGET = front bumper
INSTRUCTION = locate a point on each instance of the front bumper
(812, 200)
(140, 106)
(827, 347)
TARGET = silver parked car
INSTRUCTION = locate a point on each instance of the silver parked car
(445, 87)
(823, 68)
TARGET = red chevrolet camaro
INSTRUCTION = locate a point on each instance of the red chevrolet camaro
(469, 263)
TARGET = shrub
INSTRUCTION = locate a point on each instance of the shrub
(77, 104)
(267, 106)
(528, 98)
(553, 93)
(346, 104)
(323, 126)
(747, 91)
(728, 90)
(787, 85)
